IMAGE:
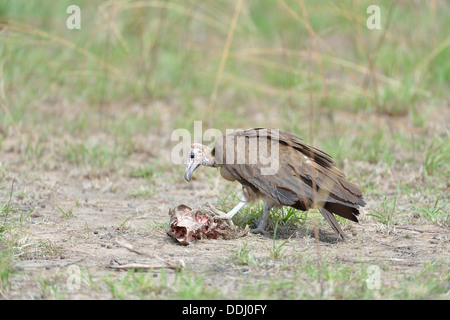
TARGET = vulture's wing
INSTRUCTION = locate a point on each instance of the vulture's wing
(305, 176)
(289, 139)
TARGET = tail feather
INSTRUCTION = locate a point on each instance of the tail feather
(347, 212)
(332, 222)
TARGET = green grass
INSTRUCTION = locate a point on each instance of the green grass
(277, 246)
(250, 213)
(436, 212)
(142, 54)
(135, 284)
(305, 279)
(66, 214)
(9, 223)
(386, 213)
(243, 255)
(437, 157)
(143, 191)
(97, 157)
(147, 171)
(6, 268)
(334, 281)
(143, 285)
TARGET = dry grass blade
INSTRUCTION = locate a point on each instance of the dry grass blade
(109, 14)
(28, 29)
(3, 103)
(316, 53)
(317, 37)
(195, 14)
(421, 68)
(223, 59)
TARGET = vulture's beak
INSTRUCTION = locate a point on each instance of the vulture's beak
(190, 168)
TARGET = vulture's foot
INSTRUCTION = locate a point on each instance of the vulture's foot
(260, 230)
(262, 226)
(263, 222)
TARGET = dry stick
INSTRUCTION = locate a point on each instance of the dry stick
(223, 60)
(178, 265)
(54, 265)
(421, 231)
(115, 265)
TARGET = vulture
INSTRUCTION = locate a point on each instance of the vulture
(277, 167)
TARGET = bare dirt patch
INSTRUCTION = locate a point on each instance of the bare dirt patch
(71, 216)
(53, 242)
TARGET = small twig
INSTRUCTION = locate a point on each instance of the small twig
(177, 265)
(50, 266)
(420, 231)
(114, 264)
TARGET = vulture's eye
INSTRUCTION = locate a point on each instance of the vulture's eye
(192, 155)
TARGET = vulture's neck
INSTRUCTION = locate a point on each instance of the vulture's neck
(208, 159)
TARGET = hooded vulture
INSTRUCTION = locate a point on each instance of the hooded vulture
(277, 167)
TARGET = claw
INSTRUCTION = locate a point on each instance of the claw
(260, 230)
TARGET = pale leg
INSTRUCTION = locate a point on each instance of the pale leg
(238, 207)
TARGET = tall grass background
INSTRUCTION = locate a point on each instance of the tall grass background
(232, 64)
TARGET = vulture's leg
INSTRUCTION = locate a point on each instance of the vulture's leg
(262, 224)
(332, 222)
(238, 207)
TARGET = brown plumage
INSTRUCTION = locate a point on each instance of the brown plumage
(277, 167)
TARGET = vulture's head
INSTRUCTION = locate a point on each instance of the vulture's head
(199, 154)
